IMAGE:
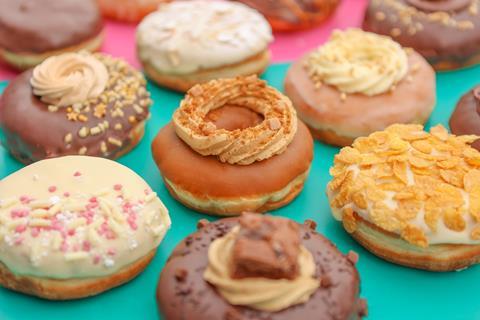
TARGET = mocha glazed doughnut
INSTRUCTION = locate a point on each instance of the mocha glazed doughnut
(358, 83)
(232, 158)
(74, 103)
(188, 42)
(287, 15)
(231, 269)
(465, 118)
(32, 30)
(446, 32)
(75, 226)
(411, 197)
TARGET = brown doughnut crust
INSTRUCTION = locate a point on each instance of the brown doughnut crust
(294, 15)
(444, 46)
(191, 297)
(437, 257)
(69, 289)
(465, 118)
(182, 83)
(338, 122)
(35, 28)
(47, 132)
(24, 60)
(206, 178)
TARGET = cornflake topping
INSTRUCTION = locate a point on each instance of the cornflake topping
(410, 182)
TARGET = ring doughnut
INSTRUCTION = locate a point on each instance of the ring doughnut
(465, 118)
(270, 137)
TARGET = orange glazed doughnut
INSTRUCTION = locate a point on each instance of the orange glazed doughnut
(128, 10)
(241, 148)
(359, 83)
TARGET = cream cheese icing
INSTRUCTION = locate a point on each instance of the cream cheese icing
(183, 37)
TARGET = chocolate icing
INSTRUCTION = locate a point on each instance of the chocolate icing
(32, 132)
(206, 175)
(465, 118)
(435, 39)
(192, 298)
(37, 26)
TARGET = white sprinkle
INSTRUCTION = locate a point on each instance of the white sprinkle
(108, 262)
(36, 177)
(54, 199)
(132, 244)
(76, 256)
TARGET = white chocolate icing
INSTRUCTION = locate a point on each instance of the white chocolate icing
(259, 293)
(355, 61)
(186, 36)
(69, 78)
(77, 217)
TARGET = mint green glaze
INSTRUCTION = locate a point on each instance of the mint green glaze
(393, 292)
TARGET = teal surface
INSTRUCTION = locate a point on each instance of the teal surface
(393, 292)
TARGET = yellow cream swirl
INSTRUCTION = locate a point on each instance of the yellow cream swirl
(259, 293)
(355, 61)
(69, 78)
(240, 146)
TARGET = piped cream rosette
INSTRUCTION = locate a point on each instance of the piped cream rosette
(241, 146)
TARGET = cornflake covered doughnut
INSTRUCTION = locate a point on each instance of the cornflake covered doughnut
(446, 32)
(288, 15)
(259, 267)
(188, 42)
(76, 226)
(411, 197)
(358, 83)
(74, 103)
(33, 30)
(241, 146)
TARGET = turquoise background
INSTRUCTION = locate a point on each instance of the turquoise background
(393, 292)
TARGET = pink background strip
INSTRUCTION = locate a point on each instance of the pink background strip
(120, 37)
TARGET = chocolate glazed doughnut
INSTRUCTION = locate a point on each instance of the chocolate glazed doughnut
(30, 31)
(183, 293)
(465, 118)
(108, 126)
(446, 32)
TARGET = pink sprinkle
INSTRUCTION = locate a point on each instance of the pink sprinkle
(35, 232)
(18, 241)
(133, 225)
(64, 247)
(19, 213)
(25, 199)
(110, 235)
(96, 259)
(91, 205)
(111, 252)
(66, 194)
(52, 189)
(93, 199)
(77, 174)
(71, 232)
(86, 245)
(117, 187)
(21, 228)
(147, 191)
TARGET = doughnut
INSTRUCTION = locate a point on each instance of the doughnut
(358, 83)
(128, 10)
(446, 33)
(189, 42)
(465, 118)
(31, 31)
(241, 148)
(74, 103)
(411, 197)
(292, 15)
(76, 226)
(231, 269)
